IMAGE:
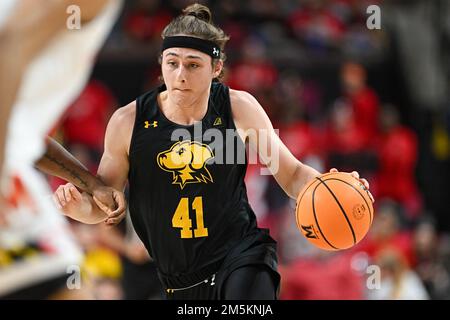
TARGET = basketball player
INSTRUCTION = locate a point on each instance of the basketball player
(43, 67)
(189, 210)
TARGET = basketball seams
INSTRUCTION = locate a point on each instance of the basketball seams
(362, 196)
(315, 216)
(342, 209)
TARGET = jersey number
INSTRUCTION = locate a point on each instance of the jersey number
(181, 218)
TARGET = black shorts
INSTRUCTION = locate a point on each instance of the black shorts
(248, 272)
(249, 282)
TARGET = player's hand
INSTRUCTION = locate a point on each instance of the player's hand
(69, 200)
(365, 183)
(112, 202)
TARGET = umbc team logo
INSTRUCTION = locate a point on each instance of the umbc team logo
(186, 160)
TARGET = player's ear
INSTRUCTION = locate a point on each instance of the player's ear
(217, 68)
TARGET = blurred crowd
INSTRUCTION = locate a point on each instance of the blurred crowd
(325, 81)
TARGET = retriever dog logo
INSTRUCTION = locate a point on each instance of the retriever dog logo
(186, 160)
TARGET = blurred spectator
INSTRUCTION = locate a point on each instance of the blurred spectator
(237, 31)
(147, 20)
(362, 98)
(101, 268)
(300, 99)
(397, 150)
(264, 8)
(433, 259)
(388, 231)
(360, 44)
(398, 281)
(85, 120)
(343, 134)
(254, 72)
(345, 144)
(301, 138)
(317, 26)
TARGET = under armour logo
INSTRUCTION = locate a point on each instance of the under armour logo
(216, 52)
(148, 124)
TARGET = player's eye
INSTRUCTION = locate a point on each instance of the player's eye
(193, 65)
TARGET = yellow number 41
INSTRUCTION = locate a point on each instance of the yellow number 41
(181, 218)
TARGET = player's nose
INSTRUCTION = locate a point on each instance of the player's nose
(181, 74)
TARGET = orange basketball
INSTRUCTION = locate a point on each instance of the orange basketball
(334, 211)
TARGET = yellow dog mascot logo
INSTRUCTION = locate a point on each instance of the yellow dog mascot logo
(186, 160)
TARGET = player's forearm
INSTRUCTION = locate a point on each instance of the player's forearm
(57, 161)
(303, 174)
(86, 211)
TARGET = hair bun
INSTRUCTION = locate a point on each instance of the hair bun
(199, 11)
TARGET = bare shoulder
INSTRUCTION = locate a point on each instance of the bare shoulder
(242, 104)
(241, 99)
(246, 110)
(120, 126)
(125, 115)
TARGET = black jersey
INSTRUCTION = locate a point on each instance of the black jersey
(188, 200)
